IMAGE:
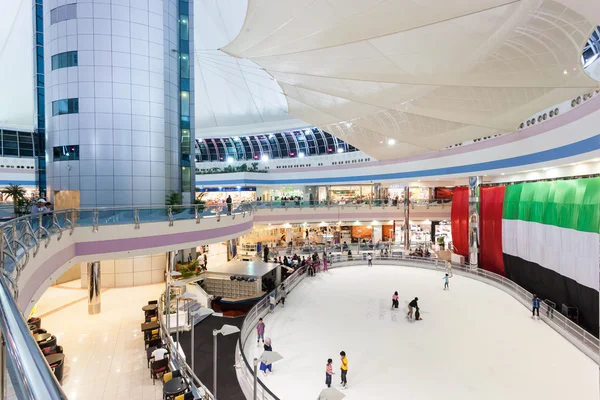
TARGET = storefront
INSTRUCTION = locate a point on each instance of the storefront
(349, 194)
(442, 234)
(417, 194)
(219, 195)
(278, 193)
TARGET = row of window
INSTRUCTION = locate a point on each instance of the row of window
(64, 60)
(296, 144)
(65, 106)
(66, 153)
(63, 13)
(17, 144)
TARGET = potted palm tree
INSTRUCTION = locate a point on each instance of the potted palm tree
(17, 194)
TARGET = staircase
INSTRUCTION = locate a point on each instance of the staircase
(194, 307)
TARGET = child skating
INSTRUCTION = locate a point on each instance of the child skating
(344, 369)
(446, 282)
(272, 302)
(283, 294)
(535, 306)
(260, 332)
(395, 301)
(328, 372)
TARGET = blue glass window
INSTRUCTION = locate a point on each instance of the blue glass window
(64, 60)
(65, 106)
(66, 153)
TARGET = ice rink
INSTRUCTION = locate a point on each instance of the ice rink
(475, 342)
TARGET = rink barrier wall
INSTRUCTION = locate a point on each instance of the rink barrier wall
(580, 338)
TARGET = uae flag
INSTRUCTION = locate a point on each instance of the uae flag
(551, 242)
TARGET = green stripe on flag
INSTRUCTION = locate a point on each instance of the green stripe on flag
(571, 204)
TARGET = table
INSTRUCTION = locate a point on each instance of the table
(148, 326)
(150, 307)
(175, 386)
(54, 358)
(41, 337)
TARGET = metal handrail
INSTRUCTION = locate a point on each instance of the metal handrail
(578, 336)
(199, 390)
(30, 375)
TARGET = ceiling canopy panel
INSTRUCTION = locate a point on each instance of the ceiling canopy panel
(400, 77)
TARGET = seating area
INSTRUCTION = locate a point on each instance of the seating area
(175, 386)
(49, 347)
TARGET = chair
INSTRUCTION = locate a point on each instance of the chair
(39, 330)
(53, 350)
(149, 351)
(158, 368)
(49, 346)
(58, 370)
(167, 376)
(153, 342)
(153, 302)
(35, 321)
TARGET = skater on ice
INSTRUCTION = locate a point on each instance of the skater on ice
(395, 301)
(446, 281)
(260, 331)
(411, 306)
(369, 260)
(267, 367)
(535, 306)
(283, 294)
(271, 302)
(344, 368)
(328, 372)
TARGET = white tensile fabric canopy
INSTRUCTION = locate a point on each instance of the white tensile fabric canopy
(402, 77)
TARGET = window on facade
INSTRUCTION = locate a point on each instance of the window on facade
(66, 153)
(65, 106)
(64, 60)
(63, 13)
(10, 144)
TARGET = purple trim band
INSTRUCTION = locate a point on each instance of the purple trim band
(336, 216)
(118, 245)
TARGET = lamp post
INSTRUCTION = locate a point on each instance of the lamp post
(203, 311)
(225, 330)
(331, 394)
(268, 357)
(177, 284)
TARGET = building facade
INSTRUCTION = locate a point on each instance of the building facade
(113, 101)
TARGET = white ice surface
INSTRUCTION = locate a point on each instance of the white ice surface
(475, 342)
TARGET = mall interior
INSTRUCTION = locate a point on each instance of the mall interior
(398, 199)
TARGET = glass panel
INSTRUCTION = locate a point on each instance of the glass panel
(185, 104)
(184, 27)
(220, 149)
(239, 148)
(66, 153)
(9, 143)
(185, 66)
(274, 147)
(292, 144)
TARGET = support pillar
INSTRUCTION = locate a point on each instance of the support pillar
(407, 218)
(474, 182)
(94, 285)
(171, 260)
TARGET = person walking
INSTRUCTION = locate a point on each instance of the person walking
(344, 369)
(535, 306)
(446, 281)
(260, 331)
(411, 306)
(369, 260)
(229, 204)
(328, 372)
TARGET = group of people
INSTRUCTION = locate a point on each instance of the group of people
(41, 206)
(343, 370)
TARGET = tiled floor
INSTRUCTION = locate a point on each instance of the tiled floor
(105, 352)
